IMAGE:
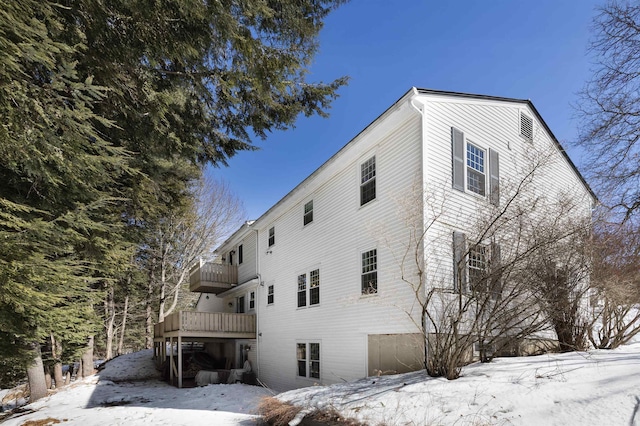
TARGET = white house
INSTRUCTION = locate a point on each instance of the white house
(319, 275)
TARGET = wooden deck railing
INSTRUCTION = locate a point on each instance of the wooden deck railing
(213, 275)
(214, 322)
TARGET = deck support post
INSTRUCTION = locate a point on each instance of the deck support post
(179, 361)
(171, 360)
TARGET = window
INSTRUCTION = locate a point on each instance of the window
(272, 236)
(240, 255)
(270, 295)
(314, 287)
(368, 181)
(370, 272)
(473, 166)
(481, 263)
(252, 300)
(231, 257)
(240, 305)
(308, 359)
(308, 213)
(526, 126)
(302, 290)
(478, 281)
(475, 169)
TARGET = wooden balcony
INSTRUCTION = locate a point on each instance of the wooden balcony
(213, 277)
(207, 324)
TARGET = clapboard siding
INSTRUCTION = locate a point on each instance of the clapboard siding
(333, 242)
(413, 160)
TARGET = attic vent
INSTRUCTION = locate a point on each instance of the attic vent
(526, 126)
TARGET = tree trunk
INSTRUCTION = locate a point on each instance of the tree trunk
(57, 375)
(56, 353)
(149, 310)
(35, 374)
(124, 323)
(47, 377)
(87, 359)
(110, 315)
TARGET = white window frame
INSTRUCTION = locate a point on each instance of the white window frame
(307, 213)
(272, 236)
(252, 300)
(368, 177)
(366, 271)
(308, 361)
(307, 283)
(271, 292)
(471, 164)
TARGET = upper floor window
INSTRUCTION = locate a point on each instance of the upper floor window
(272, 236)
(368, 181)
(252, 300)
(302, 290)
(270, 294)
(370, 272)
(526, 126)
(231, 257)
(308, 212)
(475, 169)
(240, 255)
(313, 288)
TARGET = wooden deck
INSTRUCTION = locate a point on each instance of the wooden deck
(213, 277)
(187, 326)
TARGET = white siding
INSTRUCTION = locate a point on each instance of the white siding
(333, 242)
(247, 270)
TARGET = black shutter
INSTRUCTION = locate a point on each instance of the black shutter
(496, 271)
(494, 178)
(457, 151)
(459, 262)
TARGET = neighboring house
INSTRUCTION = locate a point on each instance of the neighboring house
(320, 273)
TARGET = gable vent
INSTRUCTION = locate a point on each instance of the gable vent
(526, 126)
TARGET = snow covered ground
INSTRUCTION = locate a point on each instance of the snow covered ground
(586, 388)
(594, 388)
(128, 392)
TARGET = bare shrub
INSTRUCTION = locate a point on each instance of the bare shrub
(276, 412)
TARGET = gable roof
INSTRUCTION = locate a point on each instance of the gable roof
(408, 95)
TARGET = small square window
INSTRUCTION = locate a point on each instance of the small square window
(308, 213)
(272, 236)
(370, 272)
(270, 294)
(368, 181)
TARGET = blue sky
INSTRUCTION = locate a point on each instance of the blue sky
(512, 48)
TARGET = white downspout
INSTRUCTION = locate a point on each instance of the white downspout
(423, 125)
(257, 307)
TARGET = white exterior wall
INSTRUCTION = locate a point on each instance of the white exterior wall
(488, 124)
(341, 230)
(247, 270)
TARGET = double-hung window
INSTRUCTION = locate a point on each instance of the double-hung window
(302, 290)
(313, 289)
(272, 236)
(370, 272)
(270, 295)
(475, 169)
(308, 358)
(477, 267)
(252, 300)
(368, 181)
(308, 213)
